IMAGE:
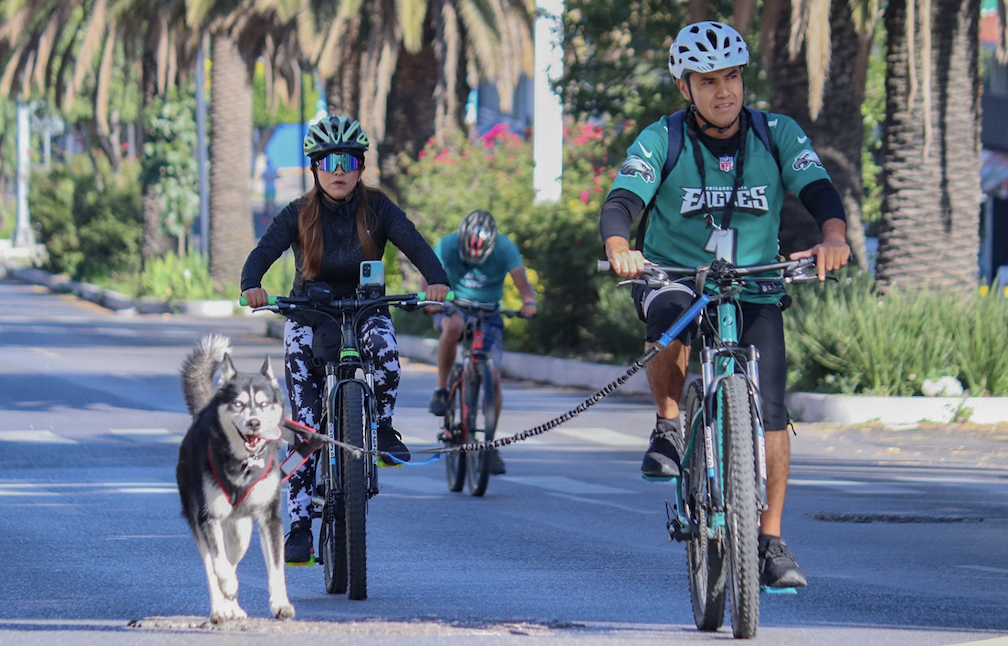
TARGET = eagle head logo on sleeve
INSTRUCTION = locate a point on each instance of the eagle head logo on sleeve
(635, 165)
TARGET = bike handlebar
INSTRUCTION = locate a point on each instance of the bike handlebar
(418, 298)
(724, 269)
(476, 307)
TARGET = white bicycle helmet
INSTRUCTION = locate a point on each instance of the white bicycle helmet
(705, 47)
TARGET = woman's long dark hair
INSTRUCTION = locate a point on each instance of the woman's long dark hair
(310, 228)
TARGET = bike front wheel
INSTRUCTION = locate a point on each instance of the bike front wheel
(332, 536)
(452, 434)
(741, 511)
(705, 555)
(481, 424)
(354, 479)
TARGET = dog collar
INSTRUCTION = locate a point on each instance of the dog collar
(233, 493)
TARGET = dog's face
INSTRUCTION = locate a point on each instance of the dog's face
(251, 404)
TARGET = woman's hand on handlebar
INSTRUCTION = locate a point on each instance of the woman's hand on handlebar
(437, 292)
(626, 262)
(256, 297)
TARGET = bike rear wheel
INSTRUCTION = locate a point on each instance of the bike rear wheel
(455, 463)
(481, 424)
(705, 555)
(741, 517)
(354, 478)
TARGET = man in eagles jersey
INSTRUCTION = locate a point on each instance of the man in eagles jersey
(722, 199)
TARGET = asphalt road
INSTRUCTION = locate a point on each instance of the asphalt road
(902, 532)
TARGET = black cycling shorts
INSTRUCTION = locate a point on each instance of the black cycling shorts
(762, 325)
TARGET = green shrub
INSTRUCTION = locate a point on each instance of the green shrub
(176, 279)
(89, 218)
(559, 242)
(848, 338)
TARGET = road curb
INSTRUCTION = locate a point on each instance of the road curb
(571, 373)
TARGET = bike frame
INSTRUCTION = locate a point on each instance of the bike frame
(706, 429)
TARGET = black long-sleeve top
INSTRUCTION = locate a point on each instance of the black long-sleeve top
(342, 252)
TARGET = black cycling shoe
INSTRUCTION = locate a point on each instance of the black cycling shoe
(390, 441)
(299, 546)
(662, 458)
(439, 402)
(496, 463)
(778, 568)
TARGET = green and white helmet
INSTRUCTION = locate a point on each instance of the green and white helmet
(335, 132)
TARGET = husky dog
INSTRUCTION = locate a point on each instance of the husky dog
(228, 473)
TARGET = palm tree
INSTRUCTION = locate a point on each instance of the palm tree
(240, 33)
(818, 51)
(57, 47)
(931, 146)
(406, 50)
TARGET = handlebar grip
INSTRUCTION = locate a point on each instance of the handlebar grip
(603, 265)
(270, 300)
(422, 296)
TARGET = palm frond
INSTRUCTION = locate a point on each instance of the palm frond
(93, 35)
(818, 52)
(105, 83)
(411, 15)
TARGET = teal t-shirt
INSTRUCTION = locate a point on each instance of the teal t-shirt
(484, 282)
(678, 234)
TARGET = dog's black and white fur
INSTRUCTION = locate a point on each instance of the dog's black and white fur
(228, 473)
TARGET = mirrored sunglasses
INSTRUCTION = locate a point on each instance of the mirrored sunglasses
(349, 161)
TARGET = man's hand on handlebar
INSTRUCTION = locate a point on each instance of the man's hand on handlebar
(256, 297)
(626, 262)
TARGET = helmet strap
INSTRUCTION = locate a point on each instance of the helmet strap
(703, 121)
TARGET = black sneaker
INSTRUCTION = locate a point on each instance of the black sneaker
(439, 402)
(778, 568)
(496, 463)
(299, 545)
(390, 441)
(663, 454)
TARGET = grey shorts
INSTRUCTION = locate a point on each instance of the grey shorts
(493, 335)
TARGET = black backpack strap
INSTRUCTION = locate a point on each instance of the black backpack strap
(761, 126)
(674, 124)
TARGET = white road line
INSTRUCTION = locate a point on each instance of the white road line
(138, 431)
(35, 436)
(23, 490)
(853, 486)
(591, 501)
(146, 490)
(563, 484)
(416, 484)
(984, 568)
(604, 436)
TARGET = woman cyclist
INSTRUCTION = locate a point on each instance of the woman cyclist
(332, 229)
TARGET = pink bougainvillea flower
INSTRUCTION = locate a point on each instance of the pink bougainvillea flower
(585, 197)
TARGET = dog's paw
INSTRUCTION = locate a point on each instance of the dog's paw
(282, 611)
(228, 611)
(228, 586)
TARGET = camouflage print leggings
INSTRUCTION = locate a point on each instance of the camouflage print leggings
(378, 346)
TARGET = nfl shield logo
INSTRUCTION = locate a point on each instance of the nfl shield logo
(727, 163)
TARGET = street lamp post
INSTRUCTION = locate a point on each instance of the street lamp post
(23, 234)
(547, 134)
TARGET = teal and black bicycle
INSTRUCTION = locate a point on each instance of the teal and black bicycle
(723, 484)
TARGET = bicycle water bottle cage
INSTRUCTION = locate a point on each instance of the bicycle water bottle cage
(320, 293)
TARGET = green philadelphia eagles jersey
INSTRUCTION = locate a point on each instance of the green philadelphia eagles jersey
(677, 232)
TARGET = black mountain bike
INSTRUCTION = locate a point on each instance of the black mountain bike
(723, 484)
(472, 405)
(344, 482)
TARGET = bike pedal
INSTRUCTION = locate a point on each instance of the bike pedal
(769, 590)
(309, 563)
(672, 479)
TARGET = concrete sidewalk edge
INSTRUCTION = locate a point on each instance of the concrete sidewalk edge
(571, 373)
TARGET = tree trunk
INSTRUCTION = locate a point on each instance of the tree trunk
(930, 188)
(838, 132)
(156, 241)
(231, 233)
